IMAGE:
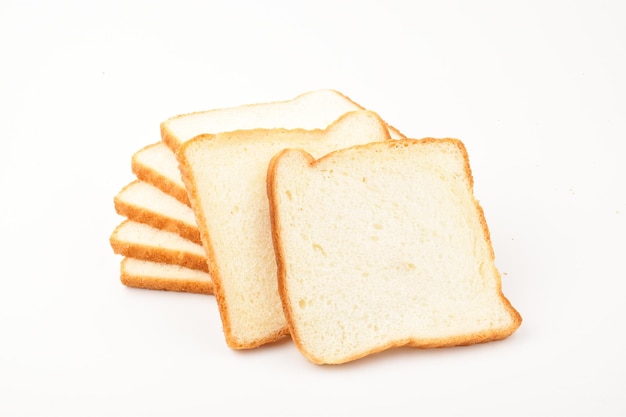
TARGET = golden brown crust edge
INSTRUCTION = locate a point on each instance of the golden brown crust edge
(278, 248)
(156, 254)
(155, 283)
(463, 340)
(170, 140)
(174, 143)
(159, 181)
(194, 201)
(156, 220)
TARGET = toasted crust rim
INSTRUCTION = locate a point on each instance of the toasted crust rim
(150, 282)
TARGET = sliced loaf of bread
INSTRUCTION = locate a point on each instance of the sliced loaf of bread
(225, 176)
(312, 110)
(144, 274)
(144, 203)
(384, 245)
(142, 241)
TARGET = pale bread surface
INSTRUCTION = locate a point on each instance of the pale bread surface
(225, 176)
(384, 245)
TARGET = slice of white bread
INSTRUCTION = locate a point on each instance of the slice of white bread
(144, 203)
(311, 110)
(156, 164)
(384, 245)
(139, 240)
(139, 273)
(225, 175)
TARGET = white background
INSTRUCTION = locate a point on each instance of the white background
(536, 90)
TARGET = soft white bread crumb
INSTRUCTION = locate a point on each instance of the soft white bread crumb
(311, 110)
(142, 241)
(225, 176)
(384, 245)
(144, 203)
(144, 274)
(156, 164)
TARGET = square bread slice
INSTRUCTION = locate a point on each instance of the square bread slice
(312, 110)
(225, 175)
(384, 245)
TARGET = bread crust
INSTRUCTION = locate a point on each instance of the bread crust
(156, 254)
(173, 142)
(151, 176)
(155, 219)
(395, 133)
(423, 343)
(150, 282)
(281, 273)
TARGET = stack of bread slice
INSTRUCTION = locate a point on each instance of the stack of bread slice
(314, 218)
(159, 237)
